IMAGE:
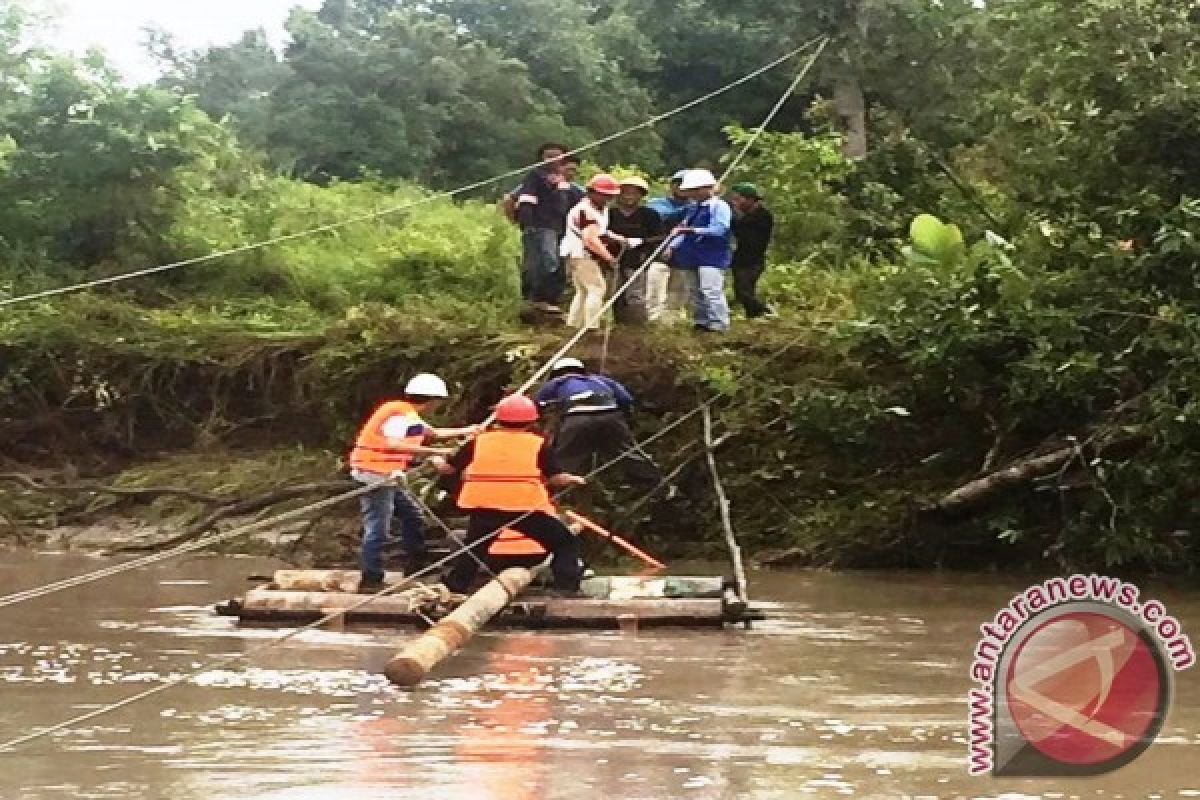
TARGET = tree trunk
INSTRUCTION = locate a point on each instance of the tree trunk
(851, 108)
(454, 630)
(848, 98)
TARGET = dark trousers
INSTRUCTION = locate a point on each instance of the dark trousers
(630, 308)
(543, 278)
(544, 529)
(745, 288)
(605, 435)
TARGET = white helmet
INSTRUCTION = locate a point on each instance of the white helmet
(697, 179)
(568, 363)
(426, 385)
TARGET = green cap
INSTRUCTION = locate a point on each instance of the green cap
(746, 190)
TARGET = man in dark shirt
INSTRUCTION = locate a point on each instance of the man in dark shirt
(644, 229)
(594, 409)
(752, 226)
(542, 206)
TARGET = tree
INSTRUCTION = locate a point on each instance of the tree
(584, 54)
(90, 168)
(401, 93)
(235, 81)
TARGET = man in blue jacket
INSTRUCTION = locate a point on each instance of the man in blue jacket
(594, 409)
(704, 245)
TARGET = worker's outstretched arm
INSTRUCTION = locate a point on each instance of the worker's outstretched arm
(564, 479)
(455, 433)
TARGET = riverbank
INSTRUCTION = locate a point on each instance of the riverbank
(834, 451)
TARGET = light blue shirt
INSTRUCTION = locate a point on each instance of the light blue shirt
(720, 221)
(670, 210)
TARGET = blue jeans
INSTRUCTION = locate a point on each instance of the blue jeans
(378, 507)
(543, 278)
(710, 309)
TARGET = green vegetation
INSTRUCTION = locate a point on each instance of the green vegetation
(987, 239)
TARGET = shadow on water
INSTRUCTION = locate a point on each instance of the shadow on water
(856, 686)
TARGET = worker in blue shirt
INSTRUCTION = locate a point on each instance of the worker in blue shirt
(674, 207)
(704, 246)
(594, 412)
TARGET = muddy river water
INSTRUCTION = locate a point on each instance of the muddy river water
(856, 686)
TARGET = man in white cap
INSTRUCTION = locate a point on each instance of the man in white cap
(703, 244)
(393, 436)
(594, 410)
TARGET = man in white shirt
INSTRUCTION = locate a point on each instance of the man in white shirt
(588, 257)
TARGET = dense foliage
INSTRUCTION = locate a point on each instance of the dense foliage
(1047, 299)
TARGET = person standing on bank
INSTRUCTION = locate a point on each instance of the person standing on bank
(541, 209)
(673, 207)
(703, 245)
(643, 232)
(752, 227)
(507, 474)
(385, 448)
(587, 254)
(594, 424)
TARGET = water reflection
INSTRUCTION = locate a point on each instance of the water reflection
(854, 688)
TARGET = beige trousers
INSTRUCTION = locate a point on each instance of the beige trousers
(590, 288)
(667, 290)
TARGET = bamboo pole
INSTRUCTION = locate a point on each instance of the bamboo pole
(624, 544)
(735, 552)
(447, 636)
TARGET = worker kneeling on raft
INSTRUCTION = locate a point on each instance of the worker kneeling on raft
(507, 473)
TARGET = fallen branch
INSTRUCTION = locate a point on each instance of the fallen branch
(977, 491)
(735, 552)
(239, 508)
(33, 484)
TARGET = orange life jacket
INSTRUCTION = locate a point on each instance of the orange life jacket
(372, 451)
(514, 543)
(504, 474)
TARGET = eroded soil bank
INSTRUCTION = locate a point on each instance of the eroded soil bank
(122, 429)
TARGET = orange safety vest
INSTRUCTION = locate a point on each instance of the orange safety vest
(372, 451)
(504, 474)
(515, 543)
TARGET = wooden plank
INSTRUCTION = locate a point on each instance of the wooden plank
(589, 613)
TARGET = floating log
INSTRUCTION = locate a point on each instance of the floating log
(454, 630)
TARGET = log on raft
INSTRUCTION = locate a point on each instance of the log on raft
(449, 634)
(316, 580)
(400, 604)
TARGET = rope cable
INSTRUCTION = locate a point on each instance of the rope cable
(333, 226)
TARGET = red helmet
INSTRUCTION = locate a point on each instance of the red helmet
(604, 184)
(516, 408)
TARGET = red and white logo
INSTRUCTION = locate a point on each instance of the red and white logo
(1086, 690)
(1072, 686)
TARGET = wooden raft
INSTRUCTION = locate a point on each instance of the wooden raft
(611, 602)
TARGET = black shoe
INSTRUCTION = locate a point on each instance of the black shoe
(415, 562)
(370, 585)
